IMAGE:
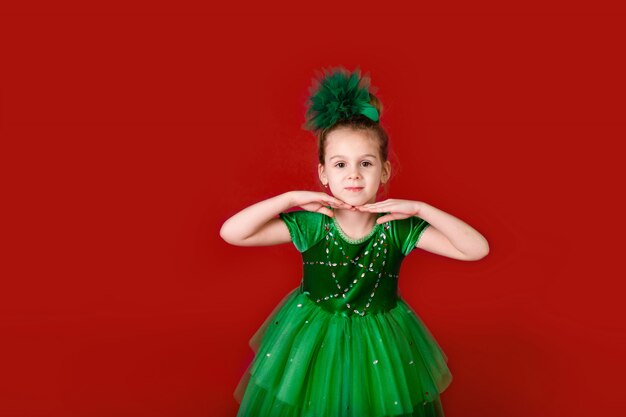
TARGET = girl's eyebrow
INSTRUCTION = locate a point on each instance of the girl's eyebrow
(341, 156)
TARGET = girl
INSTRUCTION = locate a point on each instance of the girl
(345, 343)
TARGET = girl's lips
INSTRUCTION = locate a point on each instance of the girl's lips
(355, 189)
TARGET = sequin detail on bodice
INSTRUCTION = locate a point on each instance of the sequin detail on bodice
(352, 276)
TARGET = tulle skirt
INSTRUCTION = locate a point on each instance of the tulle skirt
(310, 362)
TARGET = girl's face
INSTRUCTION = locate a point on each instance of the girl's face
(352, 159)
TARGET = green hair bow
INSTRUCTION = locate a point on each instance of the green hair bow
(338, 95)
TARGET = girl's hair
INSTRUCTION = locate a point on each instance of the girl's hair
(359, 123)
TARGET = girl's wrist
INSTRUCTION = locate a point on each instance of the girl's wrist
(419, 205)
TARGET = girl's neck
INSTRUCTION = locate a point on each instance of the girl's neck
(355, 223)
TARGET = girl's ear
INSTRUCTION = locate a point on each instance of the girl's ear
(321, 173)
(386, 172)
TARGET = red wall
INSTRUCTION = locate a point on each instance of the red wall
(128, 136)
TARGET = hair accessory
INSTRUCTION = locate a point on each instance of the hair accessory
(338, 95)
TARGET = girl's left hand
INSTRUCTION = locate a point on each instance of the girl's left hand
(398, 209)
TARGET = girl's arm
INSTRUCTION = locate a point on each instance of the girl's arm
(240, 228)
(446, 235)
(450, 236)
(258, 225)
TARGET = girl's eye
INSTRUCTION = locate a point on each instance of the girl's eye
(341, 164)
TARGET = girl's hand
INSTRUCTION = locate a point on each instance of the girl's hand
(317, 202)
(398, 209)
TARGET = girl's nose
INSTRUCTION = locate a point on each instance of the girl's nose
(354, 174)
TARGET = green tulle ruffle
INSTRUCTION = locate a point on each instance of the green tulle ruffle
(339, 95)
(310, 362)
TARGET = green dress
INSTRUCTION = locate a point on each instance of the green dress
(344, 343)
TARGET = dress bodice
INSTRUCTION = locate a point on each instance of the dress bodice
(351, 276)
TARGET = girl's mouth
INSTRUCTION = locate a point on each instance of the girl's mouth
(354, 189)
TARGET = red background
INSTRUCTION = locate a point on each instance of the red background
(129, 134)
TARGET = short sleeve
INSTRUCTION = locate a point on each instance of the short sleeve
(305, 227)
(407, 232)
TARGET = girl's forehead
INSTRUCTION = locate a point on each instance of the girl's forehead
(348, 140)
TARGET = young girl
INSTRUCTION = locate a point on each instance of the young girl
(345, 343)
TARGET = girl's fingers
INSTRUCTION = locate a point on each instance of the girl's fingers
(338, 203)
(371, 208)
(393, 216)
(331, 201)
(385, 218)
(379, 203)
(326, 211)
(389, 217)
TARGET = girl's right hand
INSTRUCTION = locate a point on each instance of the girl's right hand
(317, 202)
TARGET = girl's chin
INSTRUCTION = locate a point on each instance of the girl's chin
(356, 205)
(353, 198)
